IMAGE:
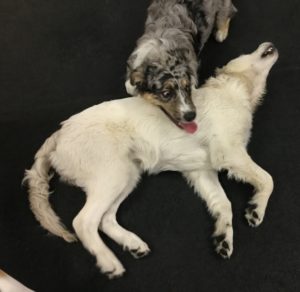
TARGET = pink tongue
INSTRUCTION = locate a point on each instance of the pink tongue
(189, 127)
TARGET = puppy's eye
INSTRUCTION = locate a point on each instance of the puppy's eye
(167, 94)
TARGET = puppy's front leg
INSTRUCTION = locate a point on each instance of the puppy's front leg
(242, 167)
(207, 185)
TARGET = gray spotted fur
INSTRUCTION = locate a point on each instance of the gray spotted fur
(176, 31)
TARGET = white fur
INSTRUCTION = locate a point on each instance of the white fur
(150, 47)
(105, 148)
(130, 88)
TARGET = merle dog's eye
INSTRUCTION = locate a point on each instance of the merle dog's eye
(167, 94)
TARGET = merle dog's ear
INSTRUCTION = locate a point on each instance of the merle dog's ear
(142, 77)
(137, 78)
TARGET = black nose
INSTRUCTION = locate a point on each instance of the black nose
(189, 116)
(270, 50)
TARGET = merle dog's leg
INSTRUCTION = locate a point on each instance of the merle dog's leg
(224, 15)
(207, 185)
(109, 225)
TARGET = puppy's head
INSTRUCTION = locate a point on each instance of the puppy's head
(168, 87)
(254, 68)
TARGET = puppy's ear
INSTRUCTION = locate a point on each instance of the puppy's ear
(137, 78)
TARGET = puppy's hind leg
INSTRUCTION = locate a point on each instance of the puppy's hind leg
(224, 15)
(109, 225)
(207, 185)
(102, 191)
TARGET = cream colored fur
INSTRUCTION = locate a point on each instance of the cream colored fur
(105, 148)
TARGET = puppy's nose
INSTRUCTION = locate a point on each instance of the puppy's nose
(189, 116)
(269, 49)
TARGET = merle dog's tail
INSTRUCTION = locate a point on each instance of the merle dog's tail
(38, 178)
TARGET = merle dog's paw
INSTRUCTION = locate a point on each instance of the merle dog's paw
(221, 35)
(223, 246)
(253, 215)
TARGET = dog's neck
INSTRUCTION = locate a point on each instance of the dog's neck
(254, 86)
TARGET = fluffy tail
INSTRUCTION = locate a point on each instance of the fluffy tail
(38, 178)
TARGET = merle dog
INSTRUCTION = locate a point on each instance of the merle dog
(163, 67)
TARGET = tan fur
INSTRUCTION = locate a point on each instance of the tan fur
(171, 107)
(224, 26)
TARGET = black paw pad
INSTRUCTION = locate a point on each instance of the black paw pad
(225, 245)
(222, 246)
(136, 253)
(140, 254)
(219, 238)
(223, 253)
(251, 206)
(252, 215)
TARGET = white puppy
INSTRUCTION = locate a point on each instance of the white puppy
(105, 148)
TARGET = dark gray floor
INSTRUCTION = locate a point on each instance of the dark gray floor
(58, 57)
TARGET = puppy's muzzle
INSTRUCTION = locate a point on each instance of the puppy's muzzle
(270, 50)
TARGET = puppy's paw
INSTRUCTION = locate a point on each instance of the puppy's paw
(223, 245)
(114, 274)
(110, 267)
(137, 247)
(112, 270)
(140, 252)
(253, 215)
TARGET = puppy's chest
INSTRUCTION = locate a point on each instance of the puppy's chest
(181, 154)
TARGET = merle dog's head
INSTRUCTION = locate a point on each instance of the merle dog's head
(168, 84)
